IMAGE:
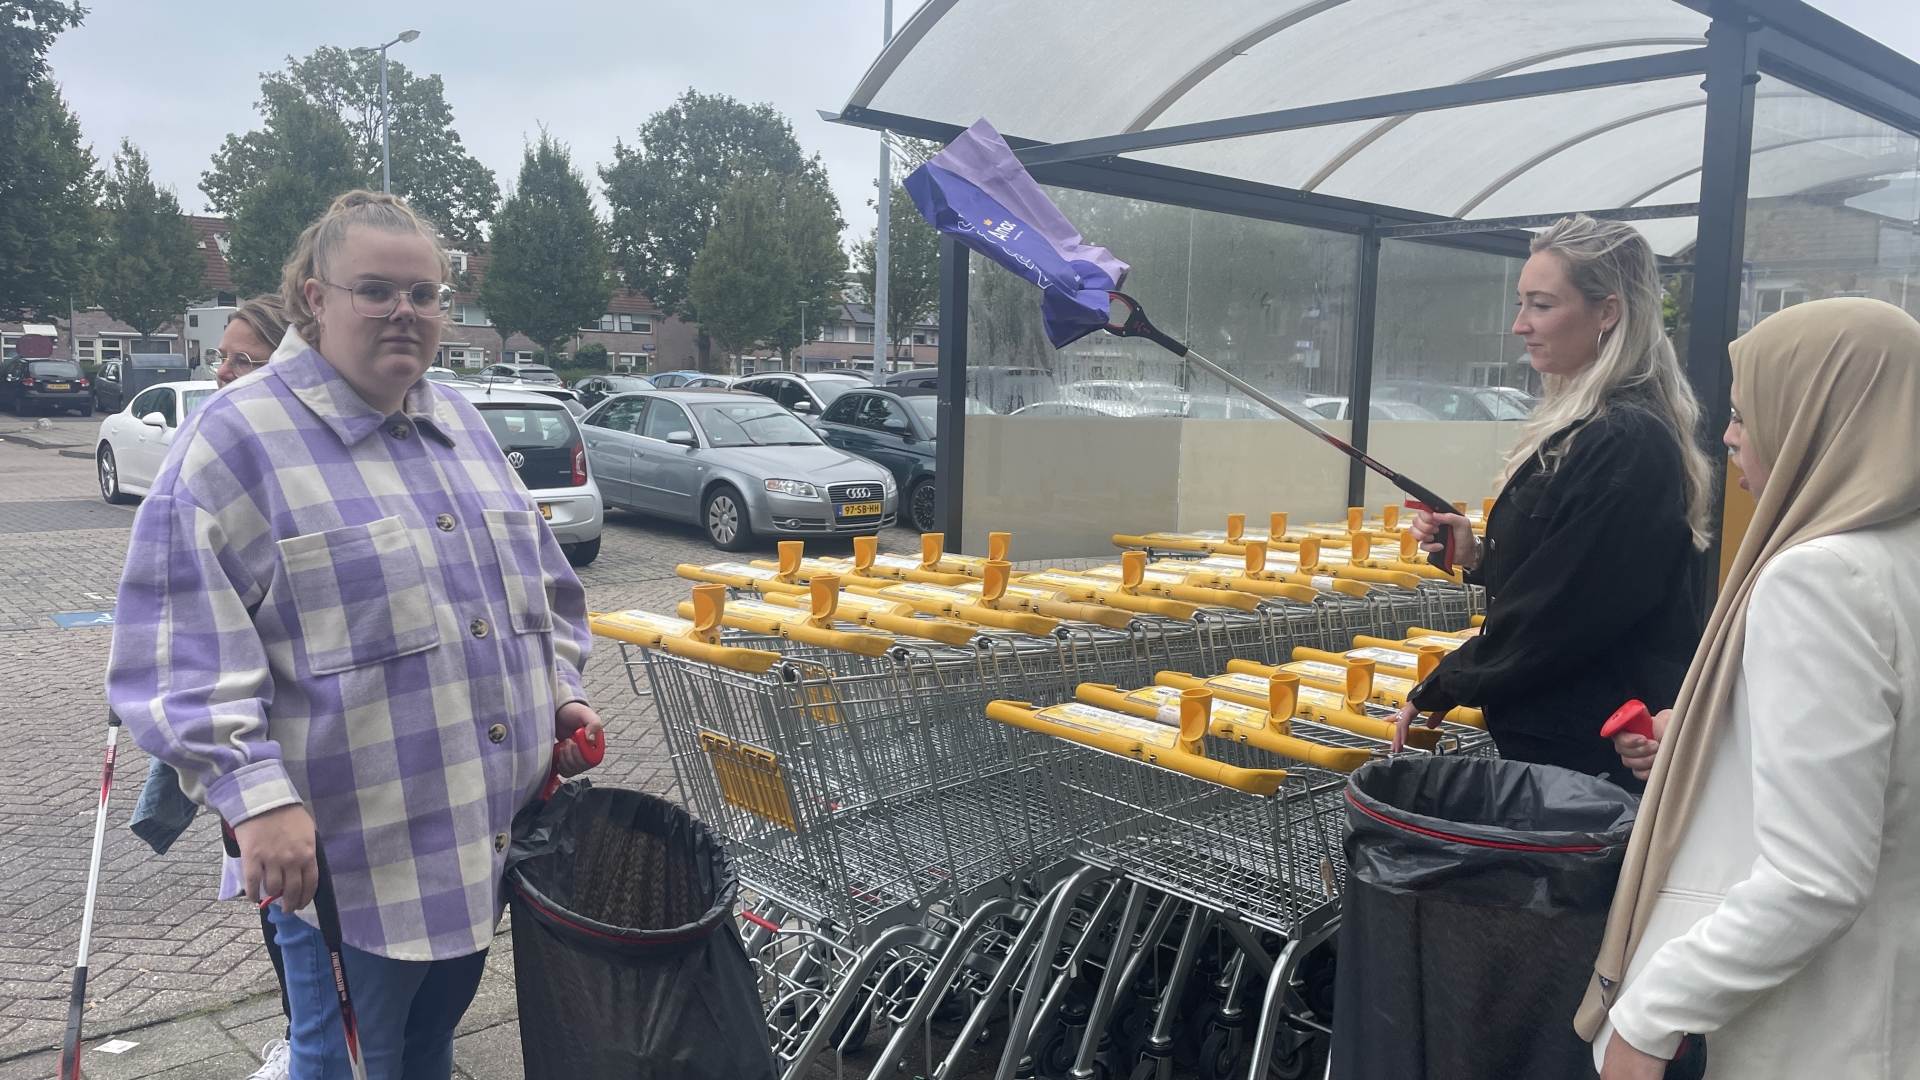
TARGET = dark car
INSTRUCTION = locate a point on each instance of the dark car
(118, 381)
(1459, 402)
(896, 428)
(1001, 389)
(808, 395)
(53, 386)
(594, 389)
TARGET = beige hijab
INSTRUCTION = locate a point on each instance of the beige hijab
(1829, 392)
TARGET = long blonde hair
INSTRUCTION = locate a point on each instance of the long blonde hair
(1602, 259)
(375, 210)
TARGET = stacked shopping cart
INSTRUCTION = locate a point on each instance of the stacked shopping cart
(1106, 800)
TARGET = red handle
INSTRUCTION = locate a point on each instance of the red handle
(594, 749)
(1633, 716)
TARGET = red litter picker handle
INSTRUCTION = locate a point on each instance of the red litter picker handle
(1633, 717)
(594, 749)
(1136, 324)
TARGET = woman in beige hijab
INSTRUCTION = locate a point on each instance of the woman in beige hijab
(1771, 894)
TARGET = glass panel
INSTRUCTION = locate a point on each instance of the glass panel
(1268, 301)
(1833, 206)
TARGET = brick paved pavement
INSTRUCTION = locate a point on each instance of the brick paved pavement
(163, 947)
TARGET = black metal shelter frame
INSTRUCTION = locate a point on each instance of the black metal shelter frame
(1783, 38)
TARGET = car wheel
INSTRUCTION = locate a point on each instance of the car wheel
(582, 553)
(86, 410)
(109, 472)
(920, 506)
(725, 518)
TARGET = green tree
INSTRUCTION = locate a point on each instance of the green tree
(592, 355)
(431, 167)
(549, 275)
(810, 231)
(913, 267)
(49, 186)
(307, 159)
(665, 189)
(745, 271)
(151, 269)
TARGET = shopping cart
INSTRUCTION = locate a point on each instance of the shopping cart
(1242, 853)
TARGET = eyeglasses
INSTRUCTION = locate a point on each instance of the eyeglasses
(376, 299)
(238, 359)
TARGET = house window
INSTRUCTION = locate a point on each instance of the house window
(225, 299)
(85, 347)
(458, 260)
(1774, 301)
(922, 337)
(632, 359)
(635, 324)
(863, 333)
(194, 320)
(606, 322)
(109, 348)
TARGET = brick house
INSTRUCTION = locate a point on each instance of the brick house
(636, 335)
(847, 342)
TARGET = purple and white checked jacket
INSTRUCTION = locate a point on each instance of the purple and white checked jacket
(359, 613)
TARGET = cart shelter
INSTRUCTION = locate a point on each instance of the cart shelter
(1331, 198)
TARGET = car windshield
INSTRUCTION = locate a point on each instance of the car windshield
(829, 389)
(515, 424)
(539, 374)
(753, 423)
(53, 369)
(1502, 406)
(193, 399)
(927, 408)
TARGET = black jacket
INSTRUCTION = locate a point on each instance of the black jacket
(1589, 576)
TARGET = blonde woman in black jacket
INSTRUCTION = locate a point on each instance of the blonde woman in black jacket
(1588, 558)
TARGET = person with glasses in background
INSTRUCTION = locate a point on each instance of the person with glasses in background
(343, 621)
(252, 334)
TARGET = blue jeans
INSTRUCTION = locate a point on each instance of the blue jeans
(407, 1009)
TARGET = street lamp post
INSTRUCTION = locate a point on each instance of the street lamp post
(386, 168)
(803, 336)
(879, 297)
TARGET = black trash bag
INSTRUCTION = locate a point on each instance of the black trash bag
(626, 959)
(1476, 898)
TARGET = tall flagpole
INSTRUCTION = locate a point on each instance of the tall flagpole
(880, 344)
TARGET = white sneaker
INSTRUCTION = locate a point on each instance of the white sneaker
(278, 1059)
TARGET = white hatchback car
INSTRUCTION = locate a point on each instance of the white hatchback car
(544, 446)
(133, 442)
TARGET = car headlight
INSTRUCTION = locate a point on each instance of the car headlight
(798, 489)
(886, 483)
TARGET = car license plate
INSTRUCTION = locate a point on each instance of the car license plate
(546, 511)
(59, 386)
(865, 509)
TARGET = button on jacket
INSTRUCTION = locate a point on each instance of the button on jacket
(1588, 573)
(295, 626)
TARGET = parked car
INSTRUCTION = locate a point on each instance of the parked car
(530, 373)
(896, 428)
(926, 377)
(1151, 395)
(1336, 408)
(667, 380)
(1226, 407)
(117, 381)
(446, 375)
(30, 385)
(809, 394)
(1003, 389)
(545, 446)
(594, 389)
(737, 464)
(708, 382)
(1461, 402)
(133, 442)
(1077, 406)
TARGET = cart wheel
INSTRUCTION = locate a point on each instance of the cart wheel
(1220, 1053)
(1292, 1055)
(1317, 972)
(1144, 1070)
(1200, 1023)
(1055, 1056)
(1132, 1026)
(854, 1027)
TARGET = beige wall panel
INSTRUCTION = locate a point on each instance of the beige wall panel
(1063, 485)
(1255, 467)
(1455, 458)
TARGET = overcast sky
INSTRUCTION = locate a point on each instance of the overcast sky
(178, 76)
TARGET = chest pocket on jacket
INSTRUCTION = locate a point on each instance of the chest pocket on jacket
(516, 543)
(361, 595)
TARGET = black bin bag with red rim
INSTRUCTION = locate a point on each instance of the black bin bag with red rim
(627, 962)
(1476, 897)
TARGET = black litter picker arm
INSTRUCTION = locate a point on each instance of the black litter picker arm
(1422, 498)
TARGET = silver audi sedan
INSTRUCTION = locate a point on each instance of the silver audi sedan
(735, 463)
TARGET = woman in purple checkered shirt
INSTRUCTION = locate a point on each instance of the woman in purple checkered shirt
(343, 617)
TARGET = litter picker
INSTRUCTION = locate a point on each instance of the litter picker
(77, 1003)
(976, 191)
(1136, 324)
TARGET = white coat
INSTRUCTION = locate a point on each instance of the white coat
(1788, 930)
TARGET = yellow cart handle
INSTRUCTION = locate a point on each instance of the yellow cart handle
(696, 638)
(716, 576)
(1261, 782)
(1267, 734)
